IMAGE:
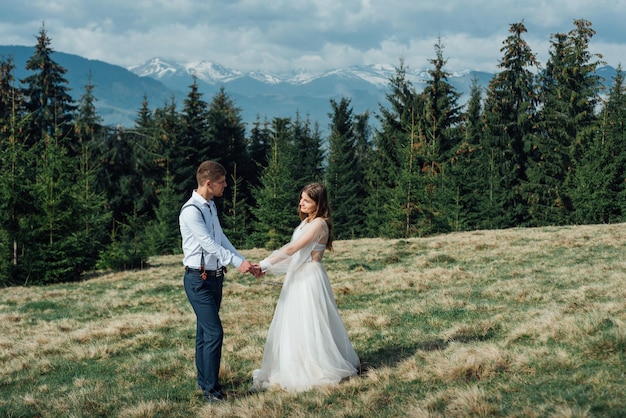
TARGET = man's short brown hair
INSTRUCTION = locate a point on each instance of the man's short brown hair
(209, 170)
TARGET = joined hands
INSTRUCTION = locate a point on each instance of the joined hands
(255, 270)
(252, 268)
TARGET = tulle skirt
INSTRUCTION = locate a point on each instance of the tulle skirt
(307, 344)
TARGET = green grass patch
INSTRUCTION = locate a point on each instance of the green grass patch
(510, 323)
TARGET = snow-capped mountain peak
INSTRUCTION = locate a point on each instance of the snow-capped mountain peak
(155, 68)
(213, 73)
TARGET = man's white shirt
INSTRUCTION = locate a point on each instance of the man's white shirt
(206, 239)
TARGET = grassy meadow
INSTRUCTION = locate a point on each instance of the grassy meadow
(508, 323)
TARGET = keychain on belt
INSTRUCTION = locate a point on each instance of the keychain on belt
(202, 270)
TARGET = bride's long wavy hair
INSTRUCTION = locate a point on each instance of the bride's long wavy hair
(317, 192)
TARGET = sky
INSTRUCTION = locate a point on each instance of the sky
(314, 35)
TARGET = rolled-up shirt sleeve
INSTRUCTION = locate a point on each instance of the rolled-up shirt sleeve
(236, 258)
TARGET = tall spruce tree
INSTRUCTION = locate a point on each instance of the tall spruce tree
(228, 144)
(577, 85)
(53, 242)
(614, 123)
(259, 145)
(154, 143)
(549, 150)
(438, 130)
(152, 139)
(16, 169)
(119, 175)
(465, 165)
(385, 204)
(156, 147)
(277, 197)
(49, 105)
(583, 84)
(11, 96)
(92, 200)
(569, 94)
(308, 153)
(600, 174)
(237, 219)
(123, 183)
(193, 145)
(510, 116)
(442, 112)
(344, 177)
(415, 191)
(162, 234)
(54, 230)
(363, 150)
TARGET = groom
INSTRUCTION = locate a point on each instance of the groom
(207, 252)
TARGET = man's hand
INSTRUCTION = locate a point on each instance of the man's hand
(245, 266)
(248, 267)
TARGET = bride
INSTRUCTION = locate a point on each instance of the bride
(307, 343)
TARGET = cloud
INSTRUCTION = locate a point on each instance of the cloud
(280, 35)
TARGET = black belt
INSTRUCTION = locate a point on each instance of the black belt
(206, 274)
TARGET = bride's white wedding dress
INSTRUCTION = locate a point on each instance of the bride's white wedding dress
(307, 344)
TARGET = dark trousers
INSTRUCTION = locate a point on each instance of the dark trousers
(205, 297)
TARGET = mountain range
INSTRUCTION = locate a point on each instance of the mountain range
(259, 95)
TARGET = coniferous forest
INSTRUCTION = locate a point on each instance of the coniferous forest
(542, 145)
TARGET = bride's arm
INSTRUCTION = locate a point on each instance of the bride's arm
(279, 260)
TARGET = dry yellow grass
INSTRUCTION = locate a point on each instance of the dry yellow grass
(462, 324)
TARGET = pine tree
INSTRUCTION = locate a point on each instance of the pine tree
(509, 111)
(134, 166)
(163, 235)
(193, 146)
(277, 197)
(11, 97)
(117, 176)
(465, 166)
(615, 126)
(121, 179)
(53, 251)
(548, 153)
(259, 146)
(53, 235)
(595, 200)
(137, 165)
(569, 94)
(228, 145)
(600, 174)
(16, 171)
(577, 86)
(386, 204)
(49, 105)
(156, 149)
(236, 219)
(582, 90)
(92, 202)
(144, 122)
(309, 156)
(442, 113)
(363, 150)
(415, 191)
(437, 135)
(344, 177)
(362, 132)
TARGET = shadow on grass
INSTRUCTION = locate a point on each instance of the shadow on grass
(386, 356)
(391, 356)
